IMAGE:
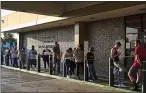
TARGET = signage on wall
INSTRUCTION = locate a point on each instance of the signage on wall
(48, 41)
(45, 46)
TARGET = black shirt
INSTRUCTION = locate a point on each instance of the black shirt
(90, 58)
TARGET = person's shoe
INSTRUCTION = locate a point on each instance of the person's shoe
(134, 89)
(123, 86)
(90, 80)
(78, 77)
(73, 76)
(35, 69)
(68, 76)
(30, 69)
(45, 70)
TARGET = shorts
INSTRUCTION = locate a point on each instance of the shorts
(133, 72)
(33, 62)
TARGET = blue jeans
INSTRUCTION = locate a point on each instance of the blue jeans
(67, 64)
(91, 72)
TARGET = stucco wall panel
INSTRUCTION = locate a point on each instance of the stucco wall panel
(102, 36)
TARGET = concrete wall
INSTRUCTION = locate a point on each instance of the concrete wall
(102, 36)
(64, 35)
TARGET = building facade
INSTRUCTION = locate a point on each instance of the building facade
(100, 30)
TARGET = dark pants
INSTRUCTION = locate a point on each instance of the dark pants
(2, 59)
(15, 63)
(23, 62)
(67, 65)
(72, 67)
(7, 60)
(81, 64)
(32, 62)
(56, 63)
(46, 61)
(91, 72)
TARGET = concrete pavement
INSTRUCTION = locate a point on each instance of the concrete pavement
(16, 81)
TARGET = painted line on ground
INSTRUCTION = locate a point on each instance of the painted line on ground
(73, 80)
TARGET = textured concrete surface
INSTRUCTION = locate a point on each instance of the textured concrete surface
(16, 81)
(102, 36)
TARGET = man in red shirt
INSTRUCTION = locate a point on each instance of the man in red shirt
(140, 55)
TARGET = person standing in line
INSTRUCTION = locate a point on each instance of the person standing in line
(117, 65)
(45, 57)
(134, 71)
(32, 57)
(90, 65)
(67, 62)
(73, 64)
(14, 54)
(22, 57)
(57, 58)
(79, 58)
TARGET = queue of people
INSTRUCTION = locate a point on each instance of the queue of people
(74, 59)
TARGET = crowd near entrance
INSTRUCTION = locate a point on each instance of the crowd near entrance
(78, 62)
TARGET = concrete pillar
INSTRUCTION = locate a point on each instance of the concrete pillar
(81, 34)
(81, 37)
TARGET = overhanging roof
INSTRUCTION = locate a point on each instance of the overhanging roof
(66, 9)
(104, 15)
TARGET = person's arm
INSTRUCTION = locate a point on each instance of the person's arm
(137, 59)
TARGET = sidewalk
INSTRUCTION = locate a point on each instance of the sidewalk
(72, 80)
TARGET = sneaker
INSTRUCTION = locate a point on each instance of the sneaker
(122, 85)
(30, 69)
(90, 80)
(45, 70)
(73, 76)
(134, 89)
(68, 76)
(35, 69)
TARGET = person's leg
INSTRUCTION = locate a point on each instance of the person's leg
(78, 68)
(16, 59)
(47, 62)
(94, 73)
(54, 64)
(74, 67)
(89, 71)
(14, 62)
(71, 67)
(133, 76)
(67, 66)
(30, 63)
(35, 63)
(138, 76)
(58, 66)
(44, 63)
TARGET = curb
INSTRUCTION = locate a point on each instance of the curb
(72, 80)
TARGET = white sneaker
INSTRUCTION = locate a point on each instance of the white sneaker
(68, 76)
(90, 80)
(35, 69)
(30, 69)
(121, 86)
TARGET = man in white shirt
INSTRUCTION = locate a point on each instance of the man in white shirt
(32, 57)
(14, 54)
